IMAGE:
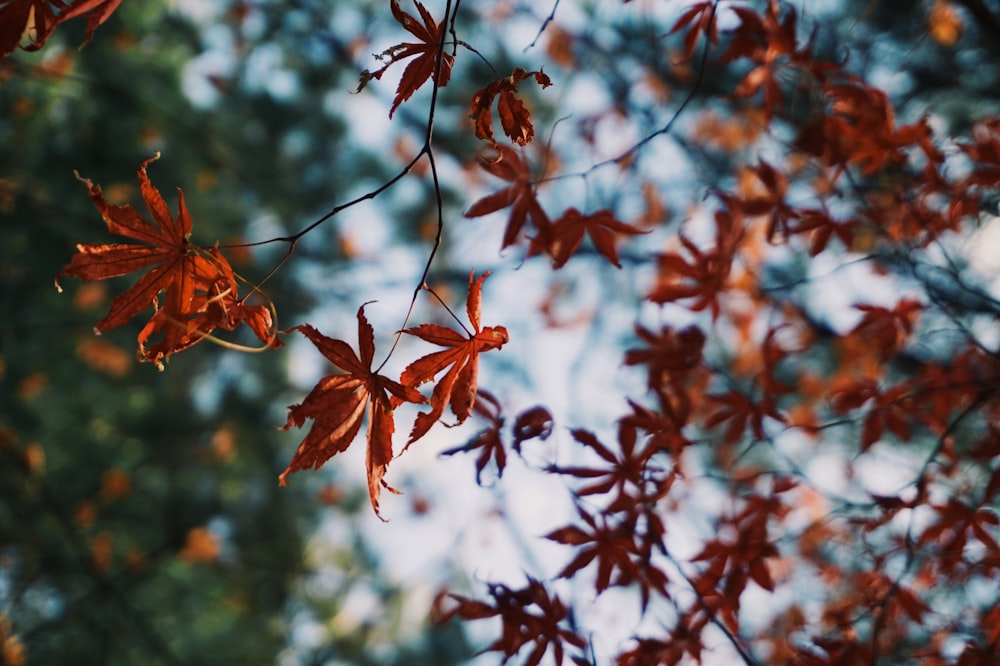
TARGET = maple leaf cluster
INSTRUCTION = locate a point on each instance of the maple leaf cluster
(339, 402)
(530, 616)
(199, 294)
(882, 392)
(561, 238)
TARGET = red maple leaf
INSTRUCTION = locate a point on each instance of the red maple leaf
(891, 408)
(629, 469)
(514, 116)
(703, 277)
(567, 233)
(488, 440)
(700, 16)
(425, 54)
(182, 270)
(822, 227)
(338, 403)
(458, 386)
(519, 195)
(886, 329)
(740, 411)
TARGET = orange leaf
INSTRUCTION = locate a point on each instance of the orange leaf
(166, 250)
(944, 23)
(337, 405)
(461, 358)
(214, 304)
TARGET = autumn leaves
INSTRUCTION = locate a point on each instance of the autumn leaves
(339, 402)
(195, 292)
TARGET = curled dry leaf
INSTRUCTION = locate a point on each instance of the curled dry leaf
(514, 116)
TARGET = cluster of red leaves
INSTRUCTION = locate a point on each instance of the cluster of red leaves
(339, 402)
(621, 488)
(530, 616)
(624, 536)
(560, 239)
(769, 42)
(199, 287)
(532, 423)
(673, 361)
(732, 563)
(618, 535)
(34, 20)
(200, 294)
(736, 408)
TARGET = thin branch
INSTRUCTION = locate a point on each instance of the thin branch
(545, 24)
(428, 150)
(663, 130)
(744, 653)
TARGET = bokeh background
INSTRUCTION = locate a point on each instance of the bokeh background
(141, 520)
